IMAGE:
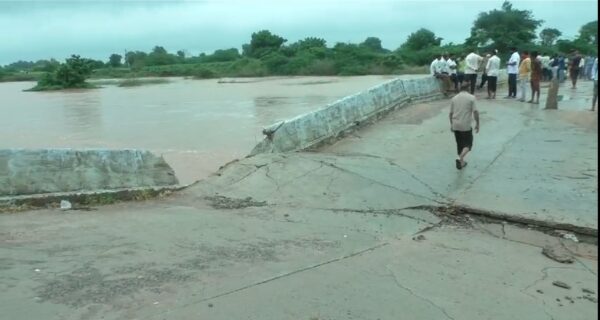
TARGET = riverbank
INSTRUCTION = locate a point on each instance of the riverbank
(200, 71)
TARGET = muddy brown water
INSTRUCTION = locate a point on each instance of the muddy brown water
(197, 125)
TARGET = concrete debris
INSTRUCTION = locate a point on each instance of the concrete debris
(570, 236)
(65, 205)
(588, 291)
(558, 254)
(221, 202)
(419, 238)
(561, 284)
(592, 299)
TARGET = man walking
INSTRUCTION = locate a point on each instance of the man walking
(472, 65)
(512, 69)
(492, 69)
(462, 112)
(524, 73)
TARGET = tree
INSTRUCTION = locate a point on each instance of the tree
(421, 39)
(589, 32)
(181, 54)
(503, 28)
(115, 60)
(135, 59)
(262, 43)
(549, 35)
(372, 43)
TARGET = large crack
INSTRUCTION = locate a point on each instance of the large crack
(405, 191)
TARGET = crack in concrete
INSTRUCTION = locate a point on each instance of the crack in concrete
(433, 304)
(281, 276)
(375, 181)
(545, 276)
(504, 149)
(395, 212)
(393, 163)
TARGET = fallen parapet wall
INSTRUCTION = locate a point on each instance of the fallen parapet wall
(340, 117)
(46, 171)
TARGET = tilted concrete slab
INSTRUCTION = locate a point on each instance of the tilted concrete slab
(30, 171)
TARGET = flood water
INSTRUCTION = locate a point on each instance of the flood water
(197, 125)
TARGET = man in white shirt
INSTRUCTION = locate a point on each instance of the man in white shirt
(472, 64)
(492, 70)
(433, 68)
(595, 78)
(453, 68)
(546, 69)
(444, 75)
(512, 69)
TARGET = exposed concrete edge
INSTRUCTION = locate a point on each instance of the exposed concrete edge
(85, 198)
(519, 219)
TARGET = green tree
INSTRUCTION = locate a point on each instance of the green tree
(503, 28)
(181, 54)
(421, 39)
(136, 59)
(114, 60)
(372, 43)
(262, 43)
(589, 32)
(73, 72)
(549, 35)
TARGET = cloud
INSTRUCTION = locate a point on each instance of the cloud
(43, 29)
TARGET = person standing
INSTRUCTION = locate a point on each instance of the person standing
(524, 74)
(595, 78)
(492, 69)
(462, 112)
(512, 69)
(460, 74)
(561, 68)
(574, 68)
(453, 68)
(484, 76)
(589, 65)
(546, 69)
(536, 77)
(433, 67)
(444, 74)
(472, 65)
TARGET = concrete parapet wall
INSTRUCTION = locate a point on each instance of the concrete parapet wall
(334, 120)
(27, 172)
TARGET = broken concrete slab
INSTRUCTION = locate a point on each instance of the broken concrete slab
(27, 172)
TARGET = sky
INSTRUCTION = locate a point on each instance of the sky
(32, 30)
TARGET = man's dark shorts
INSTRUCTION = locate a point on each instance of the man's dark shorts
(492, 83)
(464, 139)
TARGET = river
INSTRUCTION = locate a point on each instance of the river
(197, 125)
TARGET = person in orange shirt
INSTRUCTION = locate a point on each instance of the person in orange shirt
(524, 74)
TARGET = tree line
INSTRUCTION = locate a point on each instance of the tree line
(271, 54)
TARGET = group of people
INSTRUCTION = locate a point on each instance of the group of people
(524, 69)
(457, 71)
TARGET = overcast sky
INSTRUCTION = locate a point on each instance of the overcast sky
(32, 30)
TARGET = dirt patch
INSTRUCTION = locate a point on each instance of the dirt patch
(270, 251)
(221, 202)
(89, 285)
